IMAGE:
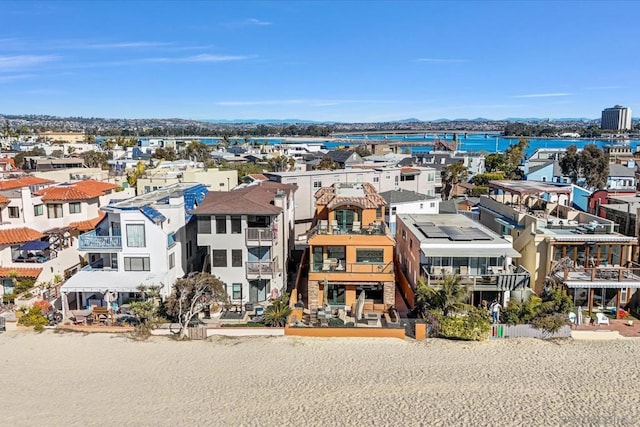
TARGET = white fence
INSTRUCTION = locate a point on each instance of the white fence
(526, 331)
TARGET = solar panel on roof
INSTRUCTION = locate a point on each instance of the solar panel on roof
(478, 234)
(152, 214)
(455, 233)
(433, 232)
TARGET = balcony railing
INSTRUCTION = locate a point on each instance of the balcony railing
(592, 275)
(513, 277)
(373, 229)
(334, 266)
(261, 268)
(92, 241)
(260, 235)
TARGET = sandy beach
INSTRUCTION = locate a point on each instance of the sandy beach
(67, 379)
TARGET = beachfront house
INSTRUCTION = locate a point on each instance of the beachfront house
(147, 240)
(349, 250)
(247, 237)
(559, 244)
(432, 247)
(421, 180)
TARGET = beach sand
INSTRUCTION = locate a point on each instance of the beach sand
(66, 379)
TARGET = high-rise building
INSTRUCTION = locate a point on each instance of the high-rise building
(616, 118)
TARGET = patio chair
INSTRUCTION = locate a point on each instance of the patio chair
(323, 225)
(326, 265)
(356, 227)
(602, 319)
(334, 227)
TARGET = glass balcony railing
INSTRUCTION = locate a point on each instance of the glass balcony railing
(92, 241)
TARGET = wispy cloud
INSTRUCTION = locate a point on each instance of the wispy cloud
(442, 60)
(250, 22)
(127, 45)
(309, 102)
(204, 57)
(16, 62)
(543, 95)
(10, 78)
(254, 21)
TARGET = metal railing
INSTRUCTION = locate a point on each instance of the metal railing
(504, 279)
(609, 273)
(360, 268)
(374, 229)
(91, 240)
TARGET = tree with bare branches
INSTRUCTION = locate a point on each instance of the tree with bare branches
(192, 295)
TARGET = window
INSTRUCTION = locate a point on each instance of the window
(431, 177)
(204, 224)
(393, 210)
(396, 179)
(236, 258)
(410, 243)
(370, 255)
(14, 212)
(38, 210)
(379, 212)
(75, 207)
(336, 252)
(137, 264)
(54, 210)
(432, 204)
(236, 225)
(221, 225)
(376, 179)
(135, 235)
(317, 184)
(219, 258)
(172, 260)
(421, 205)
(237, 291)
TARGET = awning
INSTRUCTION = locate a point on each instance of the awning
(470, 252)
(112, 280)
(603, 284)
(34, 245)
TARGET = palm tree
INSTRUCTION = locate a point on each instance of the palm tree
(277, 313)
(449, 297)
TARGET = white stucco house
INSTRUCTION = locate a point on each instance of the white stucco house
(145, 240)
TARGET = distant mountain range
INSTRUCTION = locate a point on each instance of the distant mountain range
(408, 120)
(267, 121)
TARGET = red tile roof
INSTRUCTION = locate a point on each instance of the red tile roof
(26, 181)
(4, 199)
(90, 185)
(20, 272)
(81, 190)
(89, 224)
(10, 236)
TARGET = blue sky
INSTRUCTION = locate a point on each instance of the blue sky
(334, 60)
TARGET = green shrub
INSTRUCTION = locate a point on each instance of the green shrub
(474, 326)
(550, 323)
(349, 325)
(33, 317)
(336, 323)
(278, 312)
